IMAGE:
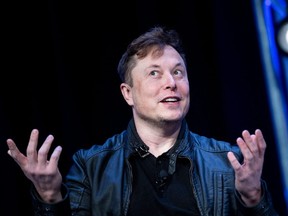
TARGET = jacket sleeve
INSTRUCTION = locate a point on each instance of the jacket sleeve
(264, 207)
(41, 208)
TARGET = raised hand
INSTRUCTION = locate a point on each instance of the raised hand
(36, 166)
(248, 174)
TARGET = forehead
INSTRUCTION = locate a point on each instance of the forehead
(167, 55)
(157, 52)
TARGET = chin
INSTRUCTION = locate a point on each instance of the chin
(171, 120)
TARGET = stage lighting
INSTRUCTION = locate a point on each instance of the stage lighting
(282, 36)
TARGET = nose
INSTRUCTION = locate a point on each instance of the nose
(170, 82)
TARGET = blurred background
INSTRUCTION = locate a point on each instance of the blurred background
(59, 75)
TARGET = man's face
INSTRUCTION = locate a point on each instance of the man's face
(160, 89)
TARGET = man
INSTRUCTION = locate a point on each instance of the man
(156, 166)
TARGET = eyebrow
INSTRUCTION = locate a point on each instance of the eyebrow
(158, 66)
(153, 66)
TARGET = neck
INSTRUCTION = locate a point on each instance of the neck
(158, 137)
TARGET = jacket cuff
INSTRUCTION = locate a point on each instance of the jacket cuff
(264, 207)
(41, 208)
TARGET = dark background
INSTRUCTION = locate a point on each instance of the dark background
(59, 75)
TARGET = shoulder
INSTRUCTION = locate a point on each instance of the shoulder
(112, 144)
(212, 152)
(212, 145)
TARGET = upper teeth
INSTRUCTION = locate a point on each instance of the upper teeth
(171, 99)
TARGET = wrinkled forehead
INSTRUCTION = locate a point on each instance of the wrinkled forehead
(154, 51)
(166, 56)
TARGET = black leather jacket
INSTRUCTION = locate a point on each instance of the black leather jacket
(99, 182)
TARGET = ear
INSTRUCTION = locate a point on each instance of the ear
(127, 93)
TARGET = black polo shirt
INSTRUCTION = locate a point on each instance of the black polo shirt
(156, 191)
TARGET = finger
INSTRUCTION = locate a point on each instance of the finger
(249, 141)
(55, 156)
(244, 148)
(233, 161)
(32, 146)
(259, 138)
(13, 150)
(252, 143)
(15, 153)
(44, 150)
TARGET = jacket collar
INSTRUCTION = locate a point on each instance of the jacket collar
(142, 149)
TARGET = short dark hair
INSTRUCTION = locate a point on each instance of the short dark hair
(158, 37)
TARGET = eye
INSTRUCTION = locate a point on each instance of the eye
(178, 72)
(154, 73)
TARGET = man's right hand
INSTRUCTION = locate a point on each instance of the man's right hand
(36, 166)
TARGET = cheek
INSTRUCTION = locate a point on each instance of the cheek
(185, 88)
(147, 89)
